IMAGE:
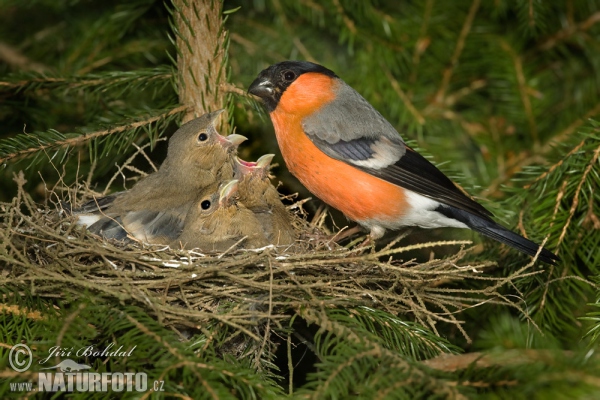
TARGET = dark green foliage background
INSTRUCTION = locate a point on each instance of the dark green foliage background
(502, 94)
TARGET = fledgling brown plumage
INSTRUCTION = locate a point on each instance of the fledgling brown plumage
(218, 220)
(154, 209)
(262, 198)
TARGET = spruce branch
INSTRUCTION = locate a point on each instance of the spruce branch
(593, 163)
(594, 317)
(347, 20)
(183, 361)
(289, 28)
(422, 42)
(18, 60)
(569, 31)
(396, 86)
(565, 194)
(523, 89)
(526, 158)
(349, 357)
(26, 144)
(231, 88)
(453, 362)
(133, 81)
(460, 44)
(253, 48)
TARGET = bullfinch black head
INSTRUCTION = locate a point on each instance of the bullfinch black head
(273, 81)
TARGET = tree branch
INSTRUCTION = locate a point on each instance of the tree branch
(201, 61)
(90, 136)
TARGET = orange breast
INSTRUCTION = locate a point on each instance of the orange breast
(359, 195)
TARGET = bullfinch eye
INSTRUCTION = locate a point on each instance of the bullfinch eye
(205, 205)
(289, 75)
(202, 137)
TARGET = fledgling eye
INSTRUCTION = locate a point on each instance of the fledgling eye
(205, 205)
(289, 75)
(202, 137)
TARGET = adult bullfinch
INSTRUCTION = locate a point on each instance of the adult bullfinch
(347, 154)
(217, 221)
(262, 198)
(154, 209)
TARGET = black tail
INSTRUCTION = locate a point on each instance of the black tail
(497, 232)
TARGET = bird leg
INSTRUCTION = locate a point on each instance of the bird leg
(346, 233)
(376, 233)
(370, 241)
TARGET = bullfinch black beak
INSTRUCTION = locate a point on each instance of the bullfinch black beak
(262, 88)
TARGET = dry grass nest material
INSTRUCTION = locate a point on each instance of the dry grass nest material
(44, 252)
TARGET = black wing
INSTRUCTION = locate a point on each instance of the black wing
(351, 130)
(414, 172)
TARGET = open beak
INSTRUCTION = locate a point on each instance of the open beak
(248, 167)
(243, 167)
(228, 191)
(236, 139)
(265, 161)
(233, 140)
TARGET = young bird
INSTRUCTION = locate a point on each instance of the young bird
(347, 154)
(154, 209)
(217, 221)
(260, 196)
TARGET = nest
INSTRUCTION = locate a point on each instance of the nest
(43, 251)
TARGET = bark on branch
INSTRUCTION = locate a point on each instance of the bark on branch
(201, 58)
